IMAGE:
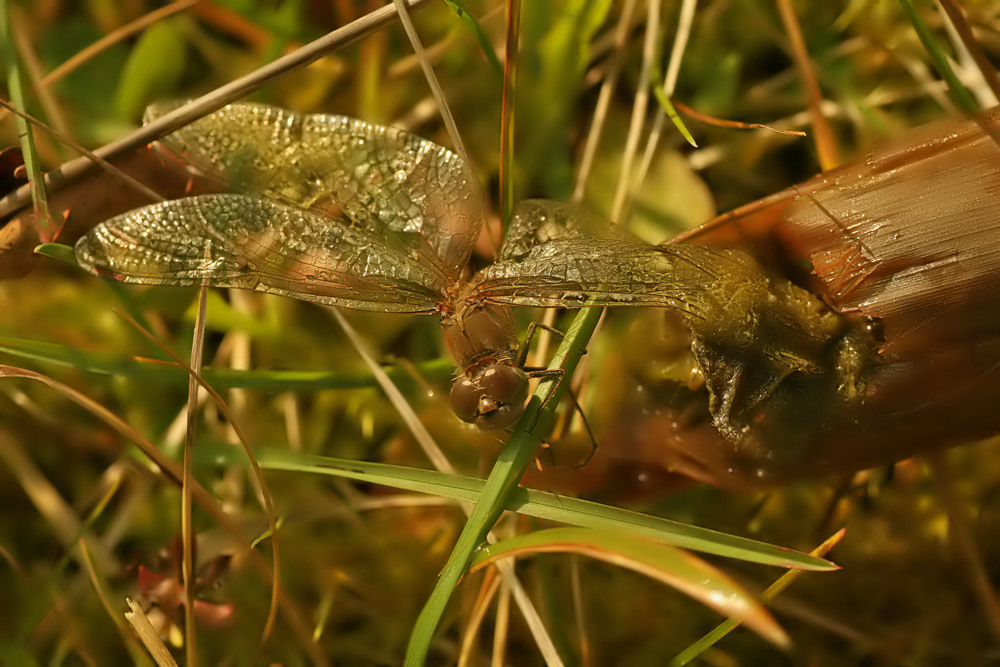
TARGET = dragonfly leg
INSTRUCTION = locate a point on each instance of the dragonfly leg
(586, 426)
(558, 375)
(547, 448)
(533, 328)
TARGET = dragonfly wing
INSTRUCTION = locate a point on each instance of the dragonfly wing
(582, 271)
(250, 243)
(562, 255)
(728, 298)
(538, 221)
(379, 177)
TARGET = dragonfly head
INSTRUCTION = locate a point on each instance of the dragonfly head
(491, 396)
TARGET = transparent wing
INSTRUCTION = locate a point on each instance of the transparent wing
(559, 254)
(251, 243)
(576, 272)
(538, 221)
(380, 178)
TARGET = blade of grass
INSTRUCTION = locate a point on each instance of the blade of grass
(420, 434)
(962, 537)
(89, 523)
(671, 113)
(530, 502)
(964, 31)
(579, 612)
(826, 145)
(735, 124)
(772, 591)
(172, 473)
(67, 254)
(504, 477)
(440, 462)
(196, 380)
(432, 80)
(669, 565)
(101, 589)
(640, 106)
(155, 370)
(501, 629)
(663, 92)
(61, 517)
(962, 97)
(124, 176)
(188, 574)
(604, 98)
(147, 634)
(487, 591)
(506, 178)
(109, 40)
(35, 186)
(22, 33)
(458, 6)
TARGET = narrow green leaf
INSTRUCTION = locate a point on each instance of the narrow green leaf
(539, 504)
(692, 652)
(502, 482)
(959, 93)
(104, 363)
(671, 112)
(669, 565)
(24, 129)
(459, 8)
(58, 251)
(556, 43)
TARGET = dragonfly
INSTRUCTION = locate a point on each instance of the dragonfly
(340, 212)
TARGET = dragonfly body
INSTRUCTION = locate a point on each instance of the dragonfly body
(782, 363)
(482, 339)
(344, 213)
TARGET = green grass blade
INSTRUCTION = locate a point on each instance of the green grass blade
(470, 21)
(149, 370)
(693, 651)
(503, 479)
(538, 504)
(58, 251)
(959, 93)
(16, 89)
(669, 565)
(668, 108)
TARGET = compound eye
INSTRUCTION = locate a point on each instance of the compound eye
(504, 384)
(465, 399)
(493, 416)
(504, 390)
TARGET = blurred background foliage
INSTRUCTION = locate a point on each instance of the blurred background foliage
(359, 560)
